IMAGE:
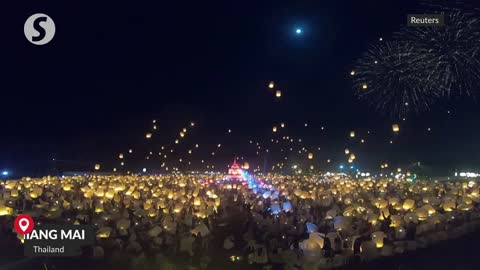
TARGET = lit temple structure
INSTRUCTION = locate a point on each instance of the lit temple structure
(235, 172)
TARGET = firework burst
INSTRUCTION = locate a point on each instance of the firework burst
(391, 78)
(420, 65)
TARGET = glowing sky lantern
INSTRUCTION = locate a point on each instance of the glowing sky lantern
(347, 151)
(182, 134)
(278, 93)
(246, 166)
(352, 73)
(148, 135)
(271, 85)
(97, 167)
(310, 155)
(120, 156)
(176, 141)
(274, 129)
(130, 151)
(395, 128)
(352, 134)
(364, 86)
(282, 125)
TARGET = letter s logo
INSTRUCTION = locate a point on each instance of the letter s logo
(39, 29)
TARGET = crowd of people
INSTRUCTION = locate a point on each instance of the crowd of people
(267, 222)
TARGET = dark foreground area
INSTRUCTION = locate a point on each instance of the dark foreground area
(459, 254)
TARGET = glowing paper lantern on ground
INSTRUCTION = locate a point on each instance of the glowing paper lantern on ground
(311, 227)
(104, 232)
(377, 238)
(465, 207)
(395, 128)
(430, 210)
(36, 192)
(13, 193)
(152, 213)
(67, 187)
(422, 213)
(178, 207)
(5, 210)
(197, 201)
(287, 206)
(278, 93)
(408, 204)
(99, 208)
(109, 194)
(448, 205)
(380, 203)
(393, 200)
(10, 184)
(396, 221)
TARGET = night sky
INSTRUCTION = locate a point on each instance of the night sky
(111, 68)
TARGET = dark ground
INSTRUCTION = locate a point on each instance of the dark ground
(459, 254)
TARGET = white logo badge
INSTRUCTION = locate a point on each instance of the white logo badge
(39, 29)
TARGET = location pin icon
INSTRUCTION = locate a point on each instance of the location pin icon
(23, 224)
